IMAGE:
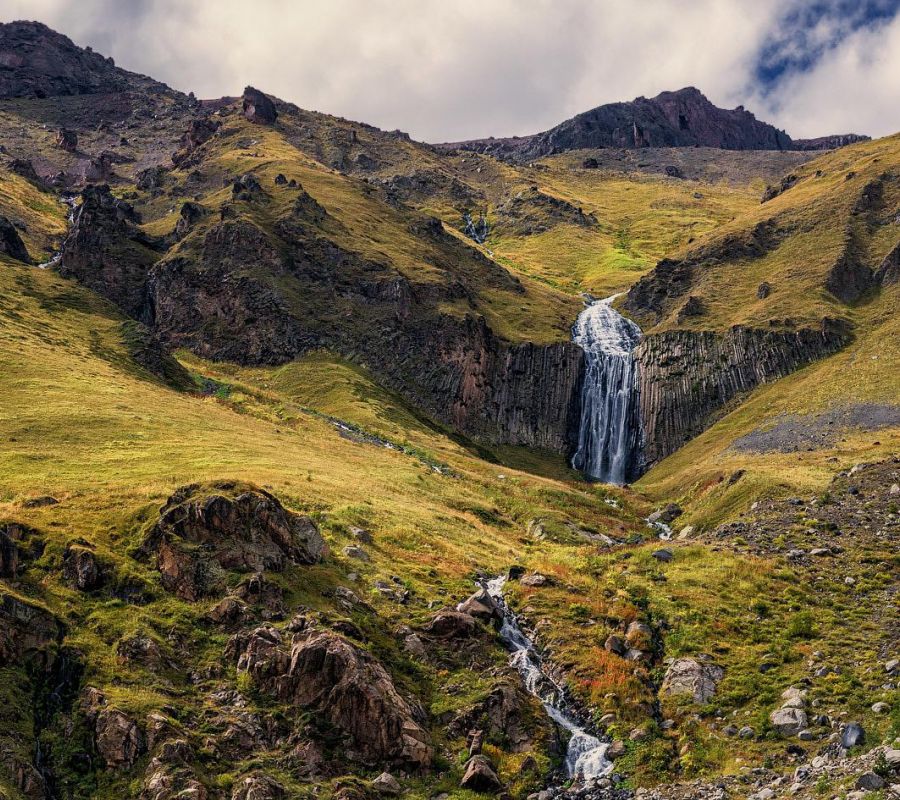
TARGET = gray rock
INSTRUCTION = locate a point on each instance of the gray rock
(852, 735)
(352, 551)
(890, 667)
(746, 732)
(480, 776)
(788, 721)
(386, 784)
(689, 676)
(361, 535)
(663, 554)
(881, 707)
(870, 781)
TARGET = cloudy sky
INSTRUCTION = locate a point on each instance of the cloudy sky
(470, 68)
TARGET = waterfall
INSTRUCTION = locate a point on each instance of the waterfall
(609, 436)
(586, 754)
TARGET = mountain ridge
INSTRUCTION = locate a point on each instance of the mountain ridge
(682, 118)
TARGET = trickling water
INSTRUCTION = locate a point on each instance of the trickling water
(609, 437)
(68, 200)
(586, 754)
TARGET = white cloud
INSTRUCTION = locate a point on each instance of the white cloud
(445, 71)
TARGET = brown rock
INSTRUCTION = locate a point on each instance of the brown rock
(479, 776)
(203, 531)
(450, 624)
(483, 607)
(327, 673)
(119, 739)
(81, 568)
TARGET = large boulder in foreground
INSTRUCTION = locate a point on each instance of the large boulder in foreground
(205, 530)
(324, 672)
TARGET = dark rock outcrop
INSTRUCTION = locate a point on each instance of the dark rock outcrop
(81, 567)
(203, 531)
(532, 211)
(28, 632)
(687, 377)
(11, 243)
(685, 118)
(37, 62)
(258, 107)
(67, 140)
(829, 142)
(107, 252)
(888, 272)
(850, 277)
(326, 673)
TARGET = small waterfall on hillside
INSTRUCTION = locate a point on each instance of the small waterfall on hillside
(586, 754)
(609, 437)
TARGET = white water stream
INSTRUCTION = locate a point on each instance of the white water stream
(586, 754)
(609, 436)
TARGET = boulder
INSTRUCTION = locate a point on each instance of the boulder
(663, 554)
(257, 107)
(699, 679)
(18, 545)
(665, 515)
(191, 213)
(204, 530)
(535, 579)
(258, 787)
(119, 740)
(483, 607)
(615, 644)
(27, 632)
(763, 290)
(200, 131)
(326, 673)
(881, 707)
(853, 735)
(387, 785)
(788, 721)
(11, 243)
(615, 750)
(479, 776)
(81, 568)
(450, 624)
(352, 551)
(870, 781)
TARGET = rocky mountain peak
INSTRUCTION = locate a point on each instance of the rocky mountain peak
(38, 62)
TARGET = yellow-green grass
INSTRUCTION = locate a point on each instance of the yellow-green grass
(41, 215)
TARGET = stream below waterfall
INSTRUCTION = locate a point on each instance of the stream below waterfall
(586, 754)
(609, 434)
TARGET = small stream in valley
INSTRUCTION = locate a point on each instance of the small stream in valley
(586, 754)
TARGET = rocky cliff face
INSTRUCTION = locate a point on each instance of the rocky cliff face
(687, 377)
(36, 61)
(685, 118)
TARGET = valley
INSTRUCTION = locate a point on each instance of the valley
(271, 415)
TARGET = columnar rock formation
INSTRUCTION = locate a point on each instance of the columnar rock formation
(686, 377)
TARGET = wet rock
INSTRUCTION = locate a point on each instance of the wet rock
(451, 624)
(67, 140)
(257, 107)
(203, 531)
(699, 679)
(119, 740)
(665, 515)
(11, 243)
(479, 776)
(258, 787)
(483, 607)
(81, 568)
(326, 673)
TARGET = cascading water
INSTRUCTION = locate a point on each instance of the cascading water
(609, 437)
(586, 754)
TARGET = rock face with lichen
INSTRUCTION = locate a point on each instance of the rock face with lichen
(323, 671)
(203, 532)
